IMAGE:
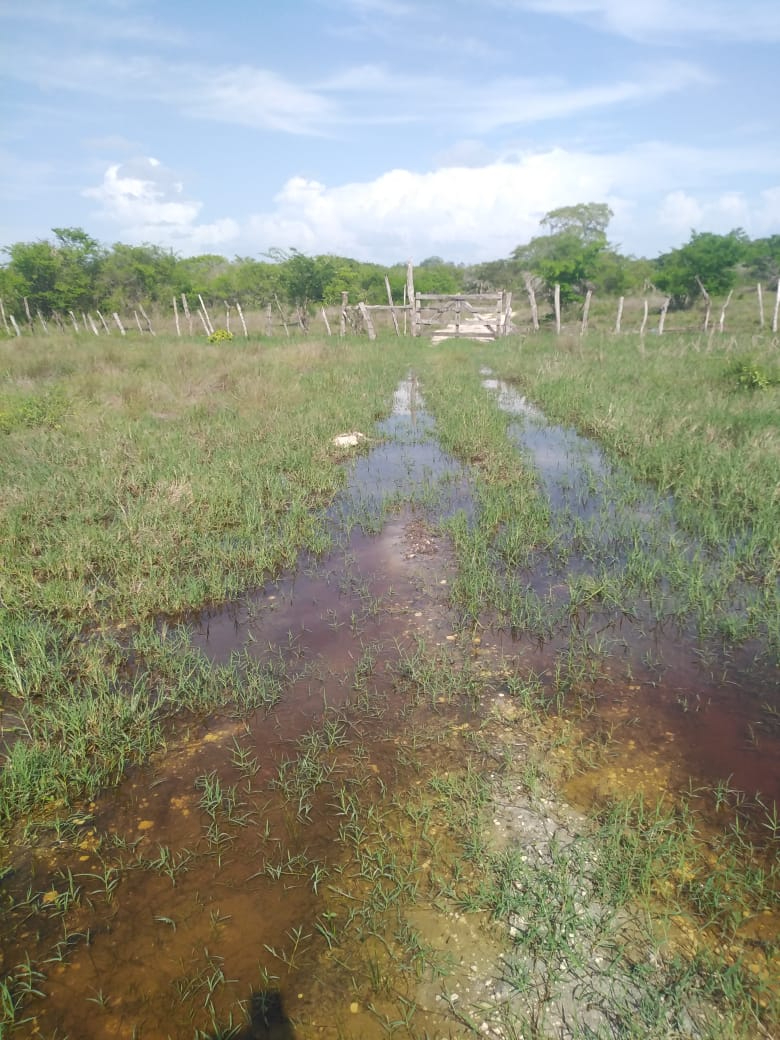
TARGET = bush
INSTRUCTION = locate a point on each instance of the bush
(220, 336)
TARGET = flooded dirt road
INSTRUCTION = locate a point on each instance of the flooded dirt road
(300, 867)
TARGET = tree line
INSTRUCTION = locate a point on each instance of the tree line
(73, 272)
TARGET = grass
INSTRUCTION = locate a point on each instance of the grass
(150, 479)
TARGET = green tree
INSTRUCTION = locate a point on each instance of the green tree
(79, 257)
(762, 260)
(587, 220)
(133, 275)
(707, 258)
(569, 255)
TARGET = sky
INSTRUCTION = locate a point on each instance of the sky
(386, 130)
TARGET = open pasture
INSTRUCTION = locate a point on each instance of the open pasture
(470, 729)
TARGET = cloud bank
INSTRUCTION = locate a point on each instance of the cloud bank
(466, 213)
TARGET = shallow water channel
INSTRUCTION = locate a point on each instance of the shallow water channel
(289, 869)
(697, 708)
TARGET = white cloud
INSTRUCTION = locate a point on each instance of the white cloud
(147, 203)
(466, 213)
(681, 212)
(483, 212)
(666, 21)
(259, 98)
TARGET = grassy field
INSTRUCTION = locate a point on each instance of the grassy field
(532, 643)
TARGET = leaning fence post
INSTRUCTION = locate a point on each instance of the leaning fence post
(241, 316)
(343, 315)
(367, 319)
(723, 312)
(557, 302)
(187, 313)
(13, 322)
(209, 326)
(146, 318)
(392, 305)
(119, 324)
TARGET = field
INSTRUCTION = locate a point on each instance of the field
(469, 728)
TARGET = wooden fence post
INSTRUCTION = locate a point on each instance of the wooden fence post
(209, 326)
(645, 315)
(40, 319)
(227, 315)
(343, 315)
(417, 315)
(619, 318)
(529, 288)
(327, 323)
(392, 305)
(507, 322)
(92, 325)
(662, 318)
(176, 317)
(281, 312)
(269, 320)
(557, 302)
(410, 299)
(777, 307)
(103, 323)
(146, 318)
(723, 312)
(187, 313)
(119, 324)
(707, 301)
(203, 321)
(367, 319)
(13, 322)
(73, 319)
(138, 321)
(5, 320)
(585, 312)
(241, 318)
(760, 293)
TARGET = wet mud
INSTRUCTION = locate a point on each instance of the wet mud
(274, 873)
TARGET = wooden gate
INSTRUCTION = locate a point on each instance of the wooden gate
(483, 316)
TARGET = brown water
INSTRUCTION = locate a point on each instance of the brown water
(305, 883)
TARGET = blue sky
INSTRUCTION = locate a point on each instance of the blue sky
(386, 129)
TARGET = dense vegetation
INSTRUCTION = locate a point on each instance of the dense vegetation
(73, 271)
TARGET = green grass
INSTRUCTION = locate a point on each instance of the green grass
(143, 479)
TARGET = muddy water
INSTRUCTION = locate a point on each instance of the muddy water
(287, 859)
(681, 707)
